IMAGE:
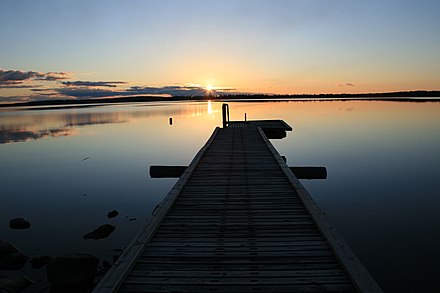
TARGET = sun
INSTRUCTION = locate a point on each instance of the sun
(209, 87)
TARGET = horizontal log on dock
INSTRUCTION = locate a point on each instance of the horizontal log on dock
(303, 172)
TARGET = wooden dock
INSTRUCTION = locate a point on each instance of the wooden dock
(238, 220)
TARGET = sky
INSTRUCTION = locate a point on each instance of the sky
(88, 49)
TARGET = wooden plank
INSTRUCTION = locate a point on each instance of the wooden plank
(192, 245)
(260, 274)
(243, 260)
(222, 280)
(220, 288)
(274, 239)
(195, 280)
(237, 267)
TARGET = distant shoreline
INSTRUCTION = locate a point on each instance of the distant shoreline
(409, 96)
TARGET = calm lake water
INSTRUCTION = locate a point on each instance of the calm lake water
(65, 169)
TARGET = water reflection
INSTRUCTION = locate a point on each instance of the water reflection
(209, 108)
(26, 125)
(19, 135)
(375, 193)
(20, 127)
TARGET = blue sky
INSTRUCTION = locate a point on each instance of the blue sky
(307, 46)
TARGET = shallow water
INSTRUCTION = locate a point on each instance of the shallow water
(64, 169)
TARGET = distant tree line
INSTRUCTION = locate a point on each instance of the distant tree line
(407, 94)
(422, 96)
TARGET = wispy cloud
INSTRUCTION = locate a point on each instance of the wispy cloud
(15, 78)
(347, 84)
(86, 92)
(15, 99)
(93, 83)
(168, 90)
(18, 86)
(53, 76)
(176, 90)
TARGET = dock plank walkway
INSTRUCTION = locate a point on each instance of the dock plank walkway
(238, 221)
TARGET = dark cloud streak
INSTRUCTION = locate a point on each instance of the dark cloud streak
(175, 90)
(84, 93)
(17, 77)
(168, 90)
(92, 83)
(18, 85)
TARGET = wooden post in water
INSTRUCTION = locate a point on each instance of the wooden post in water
(225, 115)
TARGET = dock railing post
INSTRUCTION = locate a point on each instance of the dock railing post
(225, 115)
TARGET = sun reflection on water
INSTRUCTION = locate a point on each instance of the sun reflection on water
(209, 107)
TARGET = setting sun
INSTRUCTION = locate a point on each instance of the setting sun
(209, 87)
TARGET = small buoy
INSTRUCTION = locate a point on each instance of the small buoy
(171, 120)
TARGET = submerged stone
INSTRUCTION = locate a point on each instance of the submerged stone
(101, 232)
(10, 257)
(112, 214)
(19, 223)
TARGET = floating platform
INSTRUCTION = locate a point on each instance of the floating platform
(237, 221)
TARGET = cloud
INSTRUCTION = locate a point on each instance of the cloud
(175, 90)
(17, 77)
(168, 90)
(14, 99)
(84, 92)
(53, 76)
(347, 84)
(92, 83)
(18, 86)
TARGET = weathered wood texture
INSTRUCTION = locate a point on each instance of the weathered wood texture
(236, 223)
(264, 124)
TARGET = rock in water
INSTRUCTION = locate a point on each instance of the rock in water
(15, 285)
(10, 257)
(101, 232)
(72, 270)
(112, 214)
(19, 223)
